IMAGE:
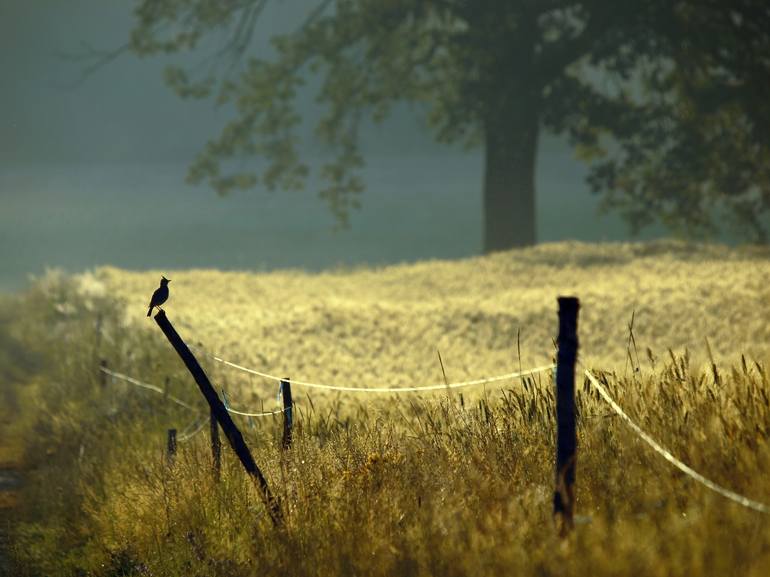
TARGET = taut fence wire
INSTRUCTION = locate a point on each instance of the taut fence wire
(668, 456)
(415, 389)
(157, 389)
(147, 386)
(192, 429)
(262, 414)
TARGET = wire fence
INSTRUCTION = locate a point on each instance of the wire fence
(260, 414)
(226, 403)
(157, 389)
(199, 424)
(668, 456)
(192, 429)
(147, 386)
(412, 389)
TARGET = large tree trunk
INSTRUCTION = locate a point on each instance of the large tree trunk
(509, 176)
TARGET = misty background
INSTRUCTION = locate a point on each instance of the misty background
(92, 172)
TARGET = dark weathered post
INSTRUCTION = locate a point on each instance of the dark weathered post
(102, 373)
(288, 408)
(166, 387)
(233, 434)
(216, 447)
(566, 434)
(171, 447)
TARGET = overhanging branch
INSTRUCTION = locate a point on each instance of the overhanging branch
(560, 54)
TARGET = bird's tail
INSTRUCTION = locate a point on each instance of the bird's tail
(149, 312)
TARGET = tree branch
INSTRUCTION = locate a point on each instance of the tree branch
(97, 59)
(316, 14)
(239, 42)
(558, 55)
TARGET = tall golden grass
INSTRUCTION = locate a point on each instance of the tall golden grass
(405, 485)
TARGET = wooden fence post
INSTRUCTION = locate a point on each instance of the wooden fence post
(216, 446)
(288, 408)
(171, 447)
(233, 434)
(566, 433)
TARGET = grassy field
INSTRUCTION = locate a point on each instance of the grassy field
(399, 484)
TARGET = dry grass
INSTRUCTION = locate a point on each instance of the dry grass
(432, 489)
(383, 326)
(409, 486)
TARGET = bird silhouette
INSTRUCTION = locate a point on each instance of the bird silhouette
(160, 295)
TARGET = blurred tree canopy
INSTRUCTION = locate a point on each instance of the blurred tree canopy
(668, 100)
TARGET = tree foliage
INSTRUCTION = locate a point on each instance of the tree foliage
(668, 101)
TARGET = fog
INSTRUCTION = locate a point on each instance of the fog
(92, 170)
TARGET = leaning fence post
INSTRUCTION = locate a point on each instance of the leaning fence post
(233, 434)
(216, 446)
(288, 417)
(171, 447)
(566, 433)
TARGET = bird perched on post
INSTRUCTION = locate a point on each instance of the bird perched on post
(160, 295)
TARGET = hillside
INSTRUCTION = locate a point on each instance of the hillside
(382, 326)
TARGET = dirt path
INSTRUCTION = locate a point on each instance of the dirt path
(10, 482)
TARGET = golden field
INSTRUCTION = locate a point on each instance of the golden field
(382, 327)
(416, 485)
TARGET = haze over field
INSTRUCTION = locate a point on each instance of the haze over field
(143, 216)
(92, 173)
